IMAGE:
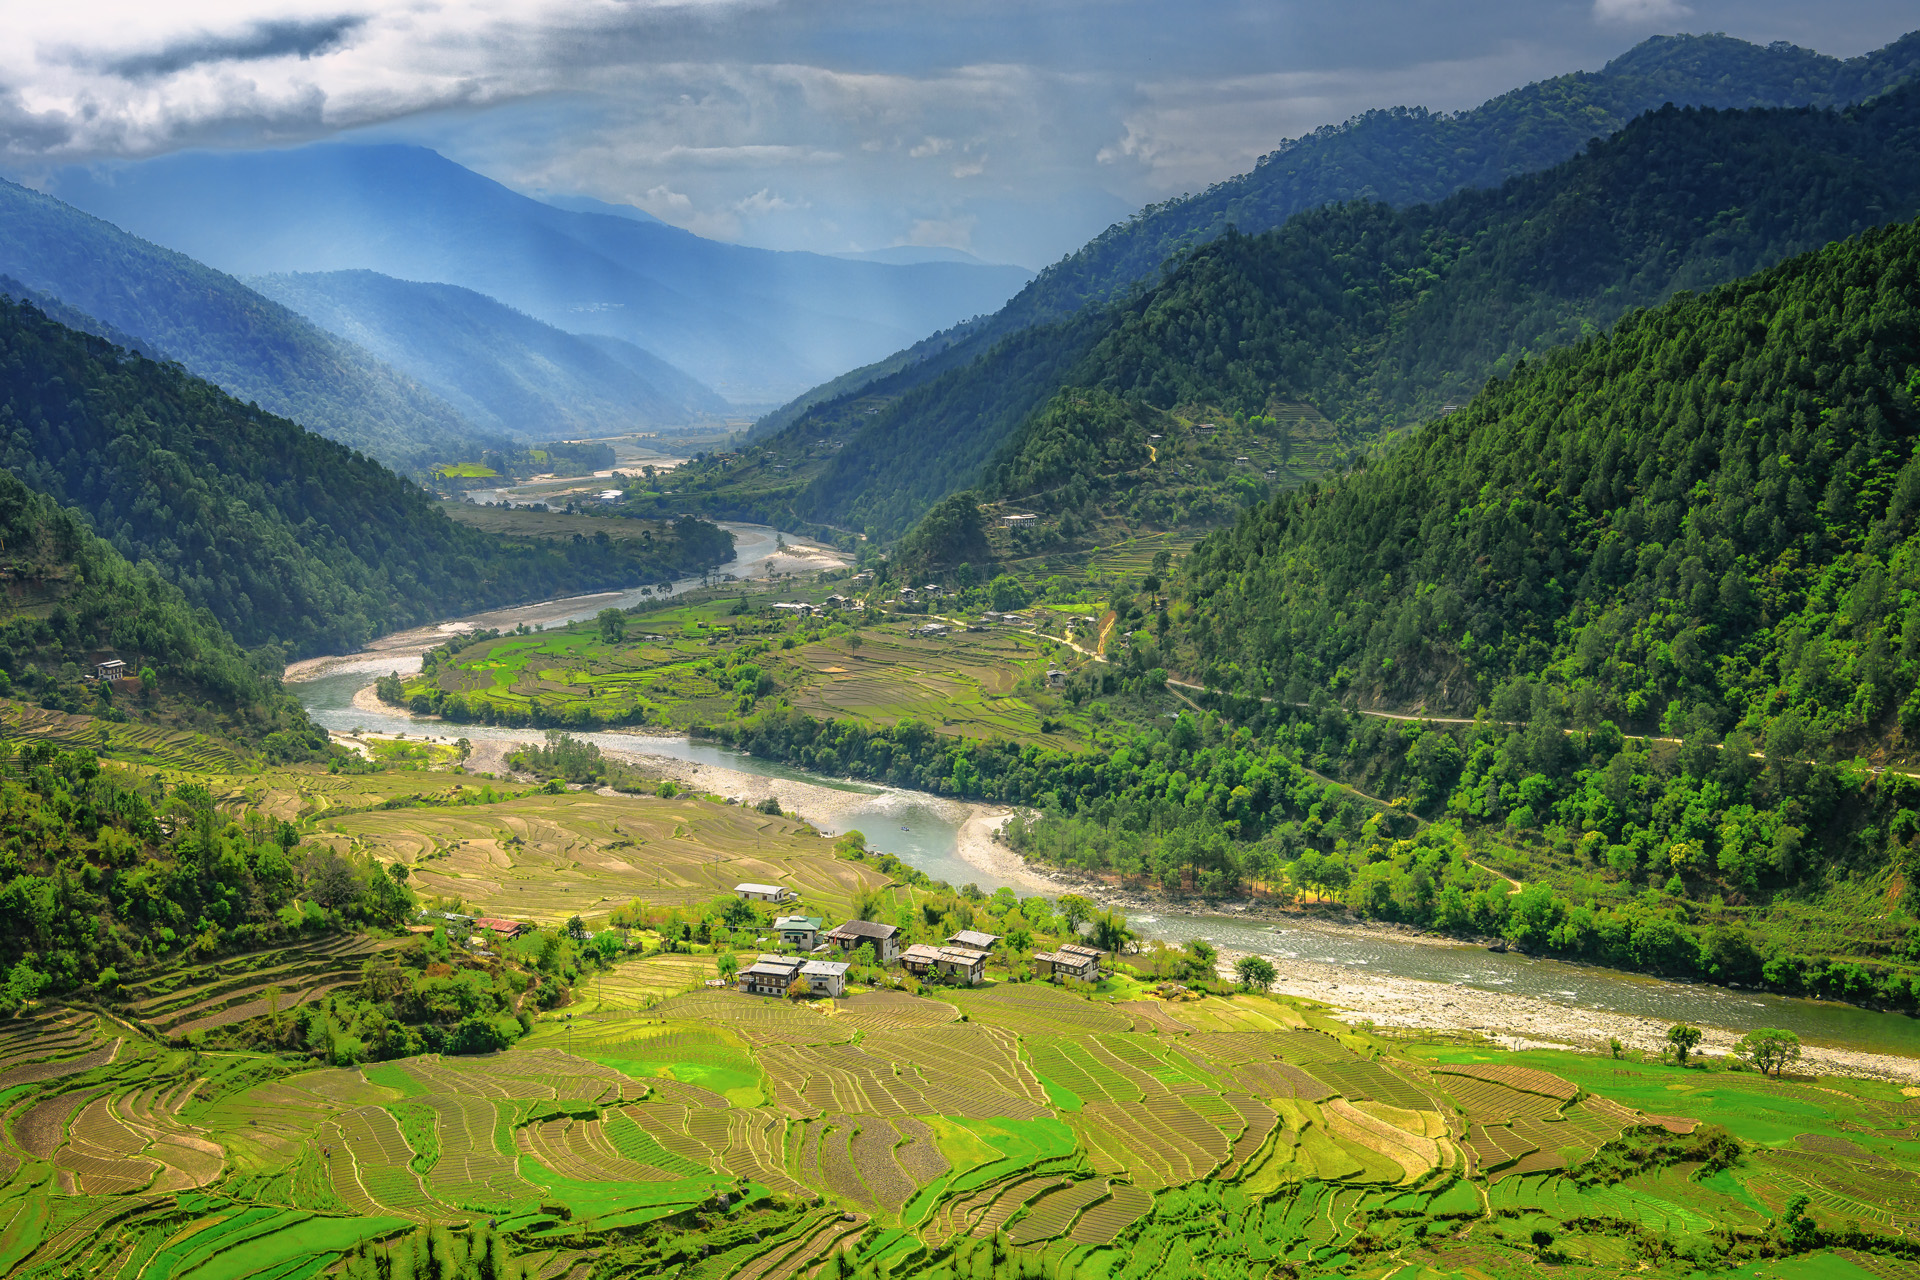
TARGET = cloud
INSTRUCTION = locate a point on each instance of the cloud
(764, 202)
(263, 40)
(941, 233)
(931, 147)
(1638, 11)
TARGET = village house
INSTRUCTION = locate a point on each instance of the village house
(1072, 962)
(930, 629)
(1015, 521)
(826, 977)
(884, 938)
(111, 669)
(770, 975)
(909, 594)
(502, 929)
(837, 601)
(764, 893)
(800, 607)
(933, 591)
(974, 940)
(798, 931)
(1056, 678)
(924, 960)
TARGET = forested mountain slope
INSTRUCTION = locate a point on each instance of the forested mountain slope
(1377, 317)
(225, 332)
(1399, 156)
(500, 369)
(284, 535)
(70, 600)
(1705, 520)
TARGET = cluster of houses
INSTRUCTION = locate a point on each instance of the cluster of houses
(962, 959)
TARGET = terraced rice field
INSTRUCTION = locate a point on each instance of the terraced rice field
(545, 858)
(1090, 1138)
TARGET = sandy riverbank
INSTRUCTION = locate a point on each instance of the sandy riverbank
(1520, 1022)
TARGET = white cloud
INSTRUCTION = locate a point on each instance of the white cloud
(1638, 11)
(930, 147)
(763, 202)
(942, 233)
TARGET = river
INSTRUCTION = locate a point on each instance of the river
(924, 832)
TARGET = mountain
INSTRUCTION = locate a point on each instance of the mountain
(754, 324)
(71, 600)
(286, 537)
(253, 347)
(1372, 318)
(1707, 516)
(501, 370)
(1400, 156)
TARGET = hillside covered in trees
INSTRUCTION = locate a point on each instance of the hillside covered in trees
(288, 538)
(1400, 156)
(1701, 529)
(71, 600)
(1378, 318)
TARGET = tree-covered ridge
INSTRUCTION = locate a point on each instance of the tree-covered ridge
(1401, 156)
(1379, 318)
(225, 332)
(1407, 155)
(1702, 520)
(285, 536)
(71, 600)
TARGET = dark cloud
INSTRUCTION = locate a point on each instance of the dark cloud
(262, 40)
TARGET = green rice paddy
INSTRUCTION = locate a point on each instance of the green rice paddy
(1008, 1130)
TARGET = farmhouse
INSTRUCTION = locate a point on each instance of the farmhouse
(764, 893)
(952, 962)
(826, 977)
(111, 669)
(974, 940)
(1017, 520)
(504, 929)
(800, 607)
(770, 975)
(798, 931)
(933, 591)
(837, 601)
(884, 938)
(930, 629)
(1056, 678)
(1071, 961)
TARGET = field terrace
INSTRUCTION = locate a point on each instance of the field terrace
(547, 857)
(1082, 1133)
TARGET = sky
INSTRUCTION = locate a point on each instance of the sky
(1012, 129)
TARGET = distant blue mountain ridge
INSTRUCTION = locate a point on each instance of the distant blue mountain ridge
(756, 325)
(500, 369)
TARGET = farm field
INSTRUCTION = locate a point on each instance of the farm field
(1014, 1130)
(684, 666)
(544, 858)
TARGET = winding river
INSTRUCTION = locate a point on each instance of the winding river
(924, 832)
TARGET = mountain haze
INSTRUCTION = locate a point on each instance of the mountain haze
(503, 371)
(253, 347)
(754, 324)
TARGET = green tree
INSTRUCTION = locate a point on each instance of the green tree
(1769, 1048)
(729, 966)
(612, 624)
(1254, 973)
(1683, 1038)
